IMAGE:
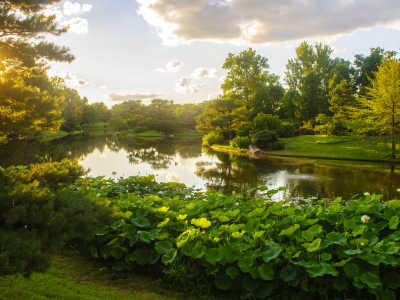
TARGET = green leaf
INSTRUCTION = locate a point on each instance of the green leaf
(387, 295)
(169, 256)
(263, 290)
(271, 254)
(326, 256)
(339, 283)
(133, 240)
(153, 258)
(237, 234)
(394, 222)
(266, 272)
(203, 222)
(223, 219)
(145, 236)
(371, 280)
(307, 235)
(252, 225)
(245, 264)
(198, 251)
(335, 238)
(112, 241)
(223, 281)
(341, 263)
(395, 236)
(118, 265)
(315, 229)
(322, 269)
(375, 259)
(232, 272)
(314, 246)
(129, 229)
(249, 283)
(141, 222)
(288, 273)
(232, 254)
(142, 256)
(392, 280)
(211, 270)
(350, 224)
(358, 230)
(163, 247)
(141, 213)
(127, 214)
(214, 255)
(290, 230)
(351, 270)
(352, 251)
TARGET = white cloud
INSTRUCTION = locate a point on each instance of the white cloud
(172, 66)
(183, 86)
(133, 96)
(213, 96)
(173, 177)
(102, 87)
(222, 78)
(72, 79)
(53, 10)
(86, 8)
(203, 72)
(72, 8)
(264, 21)
(77, 25)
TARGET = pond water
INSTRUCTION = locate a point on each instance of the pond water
(184, 160)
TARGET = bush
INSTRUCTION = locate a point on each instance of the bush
(65, 127)
(309, 131)
(285, 130)
(78, 128)
(213, 138)
(240, 143)
(242, 244)
(37, 218)
(243, 129)
(264, 138)
(140, 129)
(278, 145)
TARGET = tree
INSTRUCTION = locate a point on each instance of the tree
(222, 114)
(342, 97)
(380, 109)
(247, 75)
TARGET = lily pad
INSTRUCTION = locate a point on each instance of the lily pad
(271, 254)
(141, 222)
(232, 253)
(232, 272)
(288, 273)
(266, 272)
(263, 290)
(163, 247)
(169, 256)
(214, 254)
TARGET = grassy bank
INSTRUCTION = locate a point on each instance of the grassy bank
(227, 146)
(101, 125)
(336, 147)
(73, 277)
(189, 133)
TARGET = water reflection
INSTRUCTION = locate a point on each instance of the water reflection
(185, 161)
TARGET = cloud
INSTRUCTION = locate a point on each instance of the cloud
(183, 86)
(264, 21)
(82, 82)
(102, 87)
(172, 66)
(77, 25)
(71, 79)
(86, 8)
(173, 177)
(213, 96)
(133, 96)
(203, 72)
(222, 78)
(75, 8)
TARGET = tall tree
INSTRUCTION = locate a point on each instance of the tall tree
(380, 109)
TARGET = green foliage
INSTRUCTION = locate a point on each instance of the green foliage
(252, 245)
(140, 129)
(264, 138)
(286, 130)
(213, 138)
(240, 143)
(278, 145)
(37, 218)
(78, 128)
(308, 131)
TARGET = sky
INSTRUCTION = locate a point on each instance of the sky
(175, 49)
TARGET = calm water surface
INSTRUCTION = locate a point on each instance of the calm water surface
(184, 160)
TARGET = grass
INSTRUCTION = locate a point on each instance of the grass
(189, 133)
(99, 125)
(336, 147)
(150, 133)
(73, 277)
(227, 146)
(48, 133)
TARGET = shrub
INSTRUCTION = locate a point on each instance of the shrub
(309, 131)
(297, 133)
(264, 138)
(78, 128)
(254, 245)
(213, 138)
(243, 129)
(65, 127)
(278, 145)
(37, 218)
(285, 130)
(240, 143)
(139, 129)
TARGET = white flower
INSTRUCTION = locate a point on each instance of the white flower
(288, 195)
(237, 203)
(98, 195)
(366, 194)
(364, 218)
(362, 245)
(233, 193)
(398, 190)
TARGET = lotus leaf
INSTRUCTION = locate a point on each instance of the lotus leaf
(394, 222)
(290, 230)
(142, 256)
(288, 273)
(339, 283)
(237, 234)
(375, 259)
(212, 269)
(351, 270)
(315, 229)
(271, 254)
(223, 281)
(163, 247)
(127, 214)
(314, 246)
(133, 240)
(141, 222)
(117, 224)
(266, 272)
(245, 264)
(153, 258)
(181, 217)
(169, 256)
(163, 209)
(392, 280)
(214, 254)
(229, 228)
(198, 251)
(232, 272)
(307, 235)
(259, 234)
(341, 263)
(263, 290)
(232, 254)
(371, 280)
(326, 256)
(146, 236)
(203, 222)
(252, 225)
(335, 238)
(249, 284)
(395, 236)
(118, 265)
(223, 219)
(387, 295)
(141, 213)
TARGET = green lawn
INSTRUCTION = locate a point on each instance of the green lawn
(48, 133)
(73, 277)
(189, 133)
(99, 125)
(226, 146)
(336, 147)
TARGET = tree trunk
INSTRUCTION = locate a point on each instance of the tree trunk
(393, 147)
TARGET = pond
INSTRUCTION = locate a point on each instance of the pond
(184, 160)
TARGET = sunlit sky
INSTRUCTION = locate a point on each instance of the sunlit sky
(175, 49)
